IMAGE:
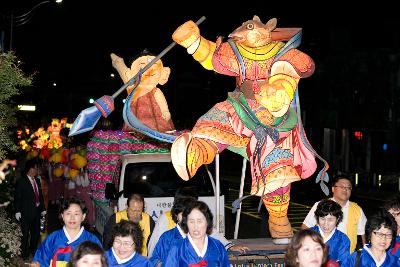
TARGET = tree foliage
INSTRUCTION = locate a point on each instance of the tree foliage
(12, 79)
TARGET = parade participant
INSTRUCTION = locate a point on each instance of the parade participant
(381, 230)
(127, 242)
(171, 237)
(167, 222)
(57, 247)
(328, 215)
(198, 248)
(134, 213)
(392, 206)
(88, 254)
(261, 117)
(354, 220)
(306, 249)
(148, 103)
(29, 207)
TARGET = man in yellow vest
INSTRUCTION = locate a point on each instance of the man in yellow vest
(354, 220)
(134, 212)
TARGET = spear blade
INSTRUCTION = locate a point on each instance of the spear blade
(85, 121)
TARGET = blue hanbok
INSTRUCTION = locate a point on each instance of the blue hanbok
(185, 255)
(338, 243)
(167, 240)
(136, 260)
(367, 259)
(395, 250)
(57, 247)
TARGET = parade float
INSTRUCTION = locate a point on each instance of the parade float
(260, 120)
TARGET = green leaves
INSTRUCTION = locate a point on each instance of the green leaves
(12, 79)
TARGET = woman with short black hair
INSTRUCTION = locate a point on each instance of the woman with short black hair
(381, 230)
(328, 215)
(198, 247)
(126, 246)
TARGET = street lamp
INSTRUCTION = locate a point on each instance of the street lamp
(20, 20)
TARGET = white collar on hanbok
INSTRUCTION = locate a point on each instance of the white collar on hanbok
(199, 253)
(326, 239)
(121, 261)
(180, 231)
(76, 237)
(377, 263)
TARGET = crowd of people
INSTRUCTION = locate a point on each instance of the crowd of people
(125, 244)
(336, 232)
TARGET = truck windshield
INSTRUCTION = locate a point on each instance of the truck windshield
(159, 179)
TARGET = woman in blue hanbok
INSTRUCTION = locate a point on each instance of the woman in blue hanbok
(198, 248)
(328, 215)
(127, 242)
(56, 249)
(381, 231)
(171, 237)
(392, 205)
(88, 254)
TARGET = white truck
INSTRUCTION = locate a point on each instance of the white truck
(153, 176)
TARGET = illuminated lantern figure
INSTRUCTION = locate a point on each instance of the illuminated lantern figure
(260, 120)
(54, 130)
(148, 103)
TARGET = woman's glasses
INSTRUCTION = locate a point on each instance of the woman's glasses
(382, 235)
(123, 244)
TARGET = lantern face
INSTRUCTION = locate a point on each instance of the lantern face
(150, 77)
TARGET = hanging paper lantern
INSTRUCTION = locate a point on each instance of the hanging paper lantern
(45, 153)
(77, 161)
(58, 172)
(65, 155)
(55, 158)
(73, 173)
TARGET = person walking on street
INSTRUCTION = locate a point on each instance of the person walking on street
(166, 223)
(134, 213)
(306, 249)
(57, 248)
(198, 248)
(381, 231)
(329, 214)
(354, 220)
(392, 205)
(29, 207)
(127, 244)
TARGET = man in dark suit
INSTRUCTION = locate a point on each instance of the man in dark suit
(28, 202)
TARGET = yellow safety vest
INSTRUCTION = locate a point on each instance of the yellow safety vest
(171, 223)
(144, 224)
(353, 217)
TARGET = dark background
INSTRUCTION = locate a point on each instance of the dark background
(355, 47)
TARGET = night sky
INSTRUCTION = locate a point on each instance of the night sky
(70, 44)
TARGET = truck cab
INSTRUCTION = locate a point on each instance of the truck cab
(153, 176)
